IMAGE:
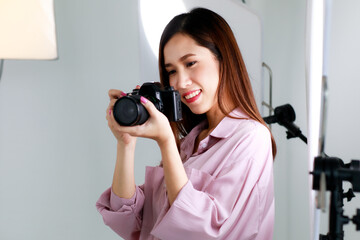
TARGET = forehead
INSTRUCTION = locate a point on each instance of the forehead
(180, 45)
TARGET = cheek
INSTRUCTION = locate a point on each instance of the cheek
(208, 73)
(200, 75)
(211, 77)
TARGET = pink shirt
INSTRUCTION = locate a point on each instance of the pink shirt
(229, 194)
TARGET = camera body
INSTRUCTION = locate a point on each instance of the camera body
(128, 110)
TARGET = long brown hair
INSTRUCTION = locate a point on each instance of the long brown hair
(210, 30)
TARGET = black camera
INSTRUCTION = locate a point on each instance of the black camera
(128, 110)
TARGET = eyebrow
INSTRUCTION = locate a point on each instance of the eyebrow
(181, 59)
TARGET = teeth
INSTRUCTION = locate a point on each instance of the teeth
(191, 95)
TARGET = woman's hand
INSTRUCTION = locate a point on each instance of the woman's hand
(157, 127)
(122, 137)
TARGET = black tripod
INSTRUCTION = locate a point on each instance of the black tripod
(328, 171)
(335, 172)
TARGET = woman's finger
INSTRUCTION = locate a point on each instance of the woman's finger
(116, 94)
(110, 106)
(149, 106)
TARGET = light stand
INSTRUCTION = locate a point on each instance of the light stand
(335, 172)
(285, 116)
(328, 175)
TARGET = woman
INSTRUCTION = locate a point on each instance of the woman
(215, 180)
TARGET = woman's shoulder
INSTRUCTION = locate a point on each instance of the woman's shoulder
(238, 125)
(247, 140)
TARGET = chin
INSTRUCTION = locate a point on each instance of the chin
(198, 110)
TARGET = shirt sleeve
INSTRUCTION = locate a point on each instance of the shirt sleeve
(123, 216)
(232, 203)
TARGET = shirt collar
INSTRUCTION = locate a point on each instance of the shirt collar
(224, 129)
(226, 126)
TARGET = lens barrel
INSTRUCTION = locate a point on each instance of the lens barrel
(128, 111)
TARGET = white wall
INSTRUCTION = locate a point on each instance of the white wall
(284, 48)
(283, 37)
(57, 154)
(56, 151)
(344, 100)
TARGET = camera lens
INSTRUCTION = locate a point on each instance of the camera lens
(128, 111)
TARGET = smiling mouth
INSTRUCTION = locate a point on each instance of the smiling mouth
(192, 94)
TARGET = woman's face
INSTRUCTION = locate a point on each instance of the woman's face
(193, 71)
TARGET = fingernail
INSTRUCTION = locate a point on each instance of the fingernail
(137, 86)
(110, 112)
(123, 94)
(143, 100)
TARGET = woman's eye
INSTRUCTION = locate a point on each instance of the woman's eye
(171, 72)
(191, 63)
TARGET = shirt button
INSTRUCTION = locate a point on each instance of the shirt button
(203, 145)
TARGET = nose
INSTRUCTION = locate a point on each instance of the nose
(183, 80)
